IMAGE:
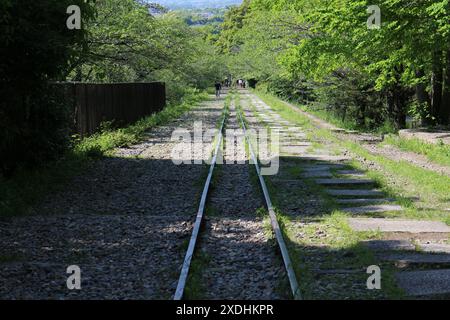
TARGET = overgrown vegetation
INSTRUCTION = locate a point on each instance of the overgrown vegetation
(108, 139)
(127, 43)
(35, 47)
(322, 53)
(120, 41)
(439, 153)
(422, 192)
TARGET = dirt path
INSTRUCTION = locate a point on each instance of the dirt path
(393, 153)
(124, 223)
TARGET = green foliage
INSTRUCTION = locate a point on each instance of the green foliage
(202, 17)
(35, 46)
(233, 22)
(323, 51)
(128, 44)
(120, 41)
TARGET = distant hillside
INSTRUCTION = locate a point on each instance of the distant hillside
(196, 4)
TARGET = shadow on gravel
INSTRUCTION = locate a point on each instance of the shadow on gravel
(125, 222)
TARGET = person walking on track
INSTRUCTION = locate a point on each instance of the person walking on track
(218, 86)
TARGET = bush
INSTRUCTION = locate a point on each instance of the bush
(35, 128)
(35, 47)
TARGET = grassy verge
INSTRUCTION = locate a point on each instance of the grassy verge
(438, 153)
(25, 188)
(325, 240)
(330, 117)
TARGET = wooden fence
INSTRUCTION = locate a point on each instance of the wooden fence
(122, 103)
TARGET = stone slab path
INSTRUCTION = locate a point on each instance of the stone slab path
(344, 181)
(354, 193)
(373, 209)
(435, 248)
(391, 225)
(425, 283)
(417, 258)
(351, 187)
(363, 201)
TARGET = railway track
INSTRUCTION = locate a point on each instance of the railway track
(234, 239)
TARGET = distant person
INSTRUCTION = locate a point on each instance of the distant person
(218, 86)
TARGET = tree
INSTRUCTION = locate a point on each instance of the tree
(329, 45)
(36, 47)
(127, 43)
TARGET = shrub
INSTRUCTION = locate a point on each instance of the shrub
(35, 47)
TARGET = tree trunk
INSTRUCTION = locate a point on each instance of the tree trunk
(444, 113)
(397, 101)
(436, 85)
(400, 107)
(421, 94)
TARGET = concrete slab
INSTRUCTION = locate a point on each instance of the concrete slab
(319, 157)
(391, 225)
(322, 166)
(389, 245)
(293, 136)
(351, 172)
(318, 170)
(354, 193)
(286, 181)
(373, 209)
(290, 144)
(416, 258)
(425, 283)
(435, 248)
(363, 201)
(337, 181)
(317, 174)
(295, 150)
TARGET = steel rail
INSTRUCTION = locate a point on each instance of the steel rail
(193, 241)
(273, 219)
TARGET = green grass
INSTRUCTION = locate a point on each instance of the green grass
(101, 143)
(331, 118)
(349, 124)
(438, 153)
(405, 179)
(195, 286)
(26, 187)
(410, 180)
(340, 237)
(399, 180)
